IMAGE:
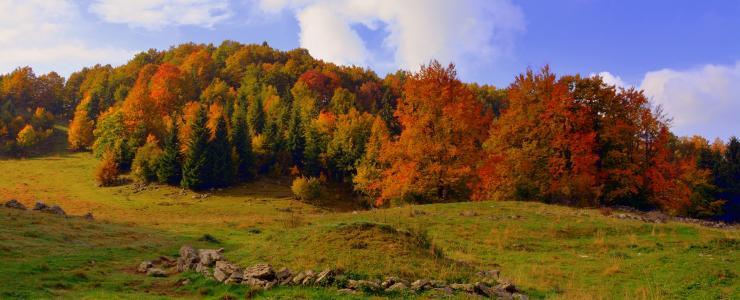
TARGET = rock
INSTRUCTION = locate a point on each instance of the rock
(363, 285)
(156, 272)
(390, 281)
(89, 216)
(254, 282)
(283, 274)
(483, 290)
(144, 266)
(219, 275)
(209, 257)
(270, 284)
(15, 204)
(463, 287)
(519, 296)
(40, 206)
(236, 276)
(298, 278)
(166, 262)
(310, 277)
(325, 277)
(421, 285)
(506, 286)
(396, 287)
(188, 259)
(438, 283)
(260, 271)
(55, 209)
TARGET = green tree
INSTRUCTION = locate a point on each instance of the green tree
(169, 165)
(242, 144)
(219, 156)
(295, 140)
(256, 116)
(195, 173)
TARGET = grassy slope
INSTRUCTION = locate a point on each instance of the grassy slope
(549, 251)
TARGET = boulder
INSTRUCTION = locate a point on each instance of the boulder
(15, 204)
(283, 274)
(310, 277)
(397, 287)
(506, 286)
(298, 278)
(40, 206)
(260, 271)
(55, 209)
(324, 278)
(364, 285)
(156, 272)
(236, 277)
(483, 289)
(421, 285)
(203, 269)
(144, 266)
(463, 287)
(390, 281)
(219, 275)
(254, 283)
(188, 259)
(209, 257)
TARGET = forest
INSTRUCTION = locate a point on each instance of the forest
(203, 116)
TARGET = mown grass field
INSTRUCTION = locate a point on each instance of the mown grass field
(548, 251)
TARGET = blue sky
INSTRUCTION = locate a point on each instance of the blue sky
(684, 54)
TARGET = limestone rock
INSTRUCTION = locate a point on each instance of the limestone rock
(283, 274)
(209, 257)
(421, 285)
(144, 266)
(15, 204)
(390, 281)
(188, 259)
(254, 283)
(298, 278)
(325, 277)
(310, 277)
(397, 287)
(156, 272)
(219, 275)
(260, 271)
(463, 287)
(364, 285)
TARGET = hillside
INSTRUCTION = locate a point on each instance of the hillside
(548, 251)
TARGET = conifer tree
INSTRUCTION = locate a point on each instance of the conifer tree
(218, 156)
(242, 144)
(195, 173)
(256, 116)
(169, 166)
(296, 142)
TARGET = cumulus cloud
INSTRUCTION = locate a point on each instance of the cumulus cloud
(155, 14)
(703, 100)
(40, 34)
(611, 79)
(467, 32)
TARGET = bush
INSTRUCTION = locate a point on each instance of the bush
(306, 188)
(145, 162)
(107, 172)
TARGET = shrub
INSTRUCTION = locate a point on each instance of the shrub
(306, 188)
(107, 172)
(145, 162)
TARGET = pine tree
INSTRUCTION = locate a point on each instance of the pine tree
(195, 173)
(169, 166)
(296, 142)
(256, 116)
(242, 144)
(219, 156)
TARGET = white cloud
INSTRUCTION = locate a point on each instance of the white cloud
(611, 79)
(703, 100)
(155, 14)
(468, 32)
(41, 34)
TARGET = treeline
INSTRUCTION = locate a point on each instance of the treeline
(29, 105)
(201, 116)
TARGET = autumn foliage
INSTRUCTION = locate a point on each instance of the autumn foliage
(205, 116)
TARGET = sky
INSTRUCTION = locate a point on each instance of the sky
(684, 54)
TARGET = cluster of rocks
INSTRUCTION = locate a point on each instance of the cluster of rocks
(42, 207)
(211, 263)
(629, 213)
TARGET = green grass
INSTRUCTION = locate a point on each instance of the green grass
(549, 251)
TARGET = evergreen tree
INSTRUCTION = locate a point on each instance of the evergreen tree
(195, 173)
(295, 140)
(312, 152)
(169, 166)
(256, 116)
(218, 156)
(242, 143)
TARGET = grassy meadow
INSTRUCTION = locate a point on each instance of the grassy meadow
(548, 251)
